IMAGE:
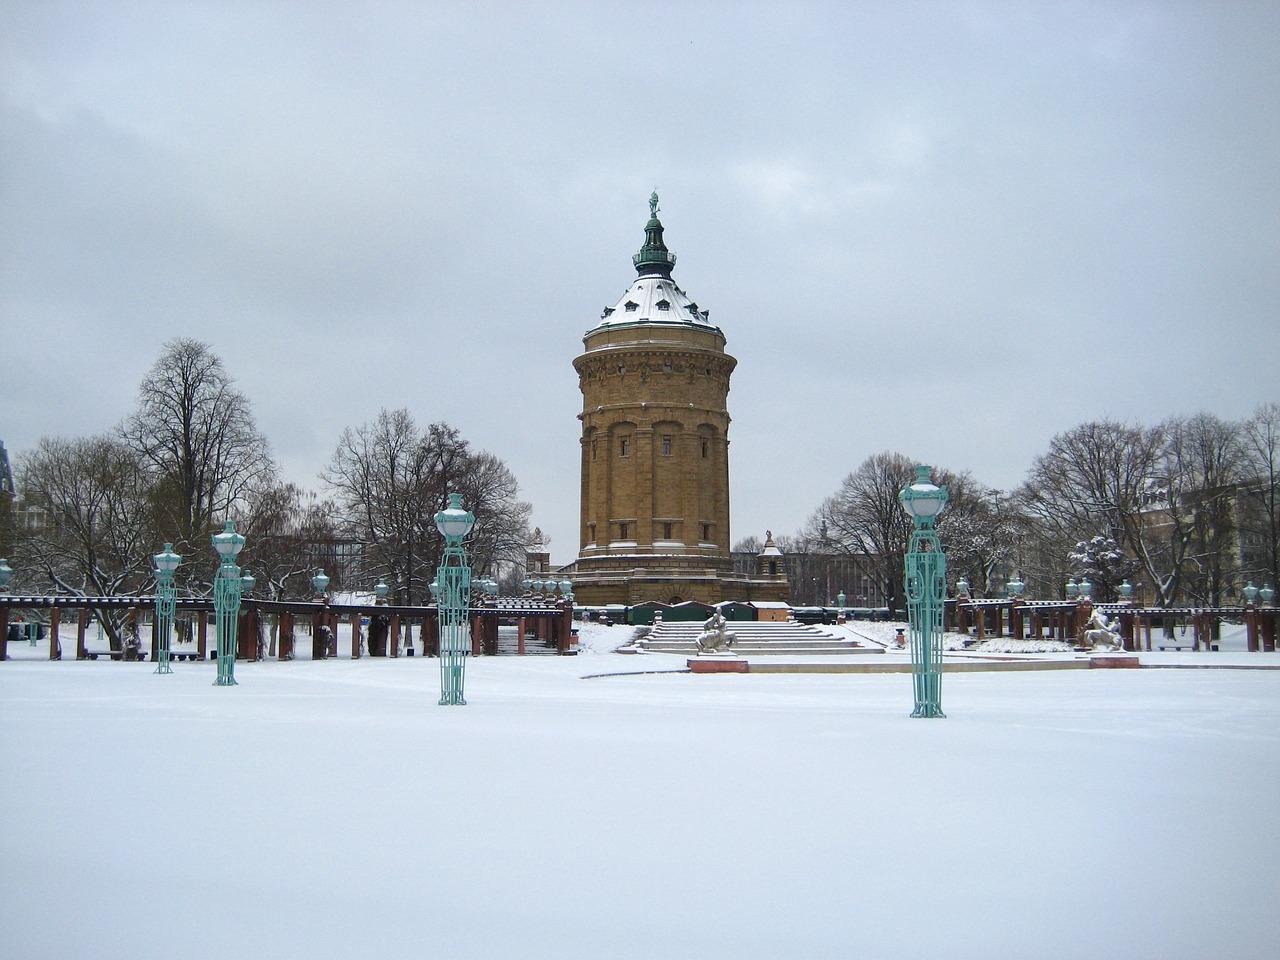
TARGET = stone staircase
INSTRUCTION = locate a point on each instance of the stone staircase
(755, 639)
(509, 644)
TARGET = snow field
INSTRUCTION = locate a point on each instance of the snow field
(332, 809)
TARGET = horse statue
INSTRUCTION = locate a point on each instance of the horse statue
(716, 637)
(1101, 633)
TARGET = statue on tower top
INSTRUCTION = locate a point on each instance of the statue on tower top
(653, 203)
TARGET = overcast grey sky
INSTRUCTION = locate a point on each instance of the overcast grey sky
(947, 229)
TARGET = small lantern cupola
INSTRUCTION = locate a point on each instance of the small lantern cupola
(654, 257)
(769, 561)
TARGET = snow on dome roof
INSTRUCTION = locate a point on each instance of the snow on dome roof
(654, 300)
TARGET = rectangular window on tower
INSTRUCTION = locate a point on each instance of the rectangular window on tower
(624, 446)
(706, 448)
(666, 531)
(666, 445)
(623, 530)
(706, 532)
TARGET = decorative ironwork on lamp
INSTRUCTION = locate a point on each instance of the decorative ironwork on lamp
(226, 601)
(926, 579)
(453, 599)
(166, 604)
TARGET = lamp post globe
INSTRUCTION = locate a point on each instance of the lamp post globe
(166, 604)
(926, 580)
(453, 522)
(6, 573)
(380, 590)
(226, 601)
(453, 600)
(320, 582)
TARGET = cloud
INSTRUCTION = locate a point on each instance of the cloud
(1072, 205)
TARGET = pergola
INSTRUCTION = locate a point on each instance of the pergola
(1064, 619)
(548, 621)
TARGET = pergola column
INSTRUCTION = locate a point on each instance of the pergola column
(55, 645)
(82, 627)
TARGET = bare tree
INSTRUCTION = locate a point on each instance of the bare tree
(865, 517)
(981, 531)
(1101, 479)
(1198, 477)
(288, 533)
(197, 434)
(389, 478)
(1259, 507)
(97, 538)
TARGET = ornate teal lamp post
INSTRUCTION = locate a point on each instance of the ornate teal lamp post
(453, 604)
(926, 576)
(166, 603)
(226, 601)
(321, 632)
(6, 572)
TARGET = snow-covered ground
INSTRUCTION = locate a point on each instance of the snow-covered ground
(333, 810)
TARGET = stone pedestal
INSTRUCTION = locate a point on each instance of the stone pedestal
(1113, 661)
(714, 664)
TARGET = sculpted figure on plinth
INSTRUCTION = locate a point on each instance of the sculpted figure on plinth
(1101, 634)
(716, 637)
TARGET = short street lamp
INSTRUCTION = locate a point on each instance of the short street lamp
(926, 580)
(166, 603)
(6, 572)
(226, 601)
(453, 603)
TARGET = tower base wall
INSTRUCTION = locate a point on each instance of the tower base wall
(630, 580)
